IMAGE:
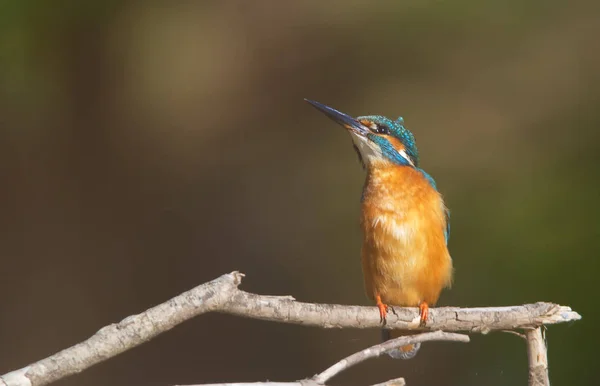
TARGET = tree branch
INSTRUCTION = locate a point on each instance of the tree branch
(222, 295)
(481, 320)
(538, 358)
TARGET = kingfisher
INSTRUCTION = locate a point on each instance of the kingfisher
(404, 220)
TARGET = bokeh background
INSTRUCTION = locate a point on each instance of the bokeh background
(147, 147)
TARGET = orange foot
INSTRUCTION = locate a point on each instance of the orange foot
(424, 312)
(383, 309)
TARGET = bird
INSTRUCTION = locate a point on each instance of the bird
(404, 221)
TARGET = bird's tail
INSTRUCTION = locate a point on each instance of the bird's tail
(402, 352)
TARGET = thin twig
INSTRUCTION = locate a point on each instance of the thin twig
(381, 348)
(299, 383)
(522, 336)
(305, 382)
(361, 356)
(392, 382)
(222, 295)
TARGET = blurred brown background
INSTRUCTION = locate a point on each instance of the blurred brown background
(148, 147)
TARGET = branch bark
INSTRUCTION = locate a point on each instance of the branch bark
(223, 295)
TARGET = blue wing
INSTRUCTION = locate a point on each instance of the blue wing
(432, 182)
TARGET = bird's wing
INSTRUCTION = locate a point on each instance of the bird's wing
(447, 212)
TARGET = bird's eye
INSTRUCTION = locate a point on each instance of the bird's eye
(382, 129)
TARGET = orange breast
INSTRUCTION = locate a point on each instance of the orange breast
(405, 259)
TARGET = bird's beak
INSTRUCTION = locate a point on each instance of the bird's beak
(345, 120)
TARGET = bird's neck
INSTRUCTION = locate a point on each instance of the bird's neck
(385, 173)
(384, 181)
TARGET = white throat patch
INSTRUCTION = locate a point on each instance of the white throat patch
(369, 151)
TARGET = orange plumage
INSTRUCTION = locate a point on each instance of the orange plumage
(405, 259)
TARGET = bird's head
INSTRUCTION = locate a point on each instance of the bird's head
(377, 140)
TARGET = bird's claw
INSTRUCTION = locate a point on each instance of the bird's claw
(424, 312)
(383, 310)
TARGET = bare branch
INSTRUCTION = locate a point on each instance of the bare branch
(481, 320)
(222, 295)
(538, 358)
(128, 333)
(379, 349)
